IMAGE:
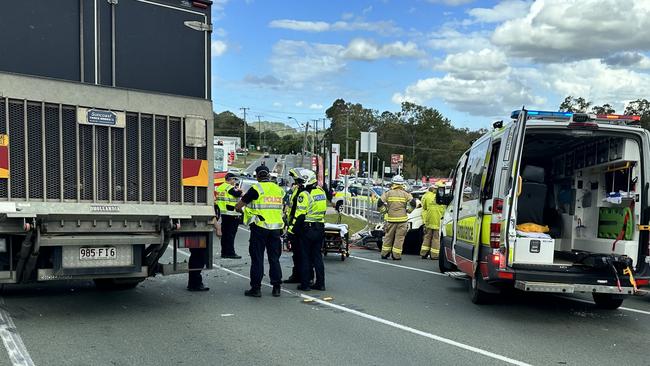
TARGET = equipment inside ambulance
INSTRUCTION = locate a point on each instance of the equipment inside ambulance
(553, 202)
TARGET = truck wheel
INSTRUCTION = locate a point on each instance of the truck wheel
(117, 283)
(607, 301)
(476, 295)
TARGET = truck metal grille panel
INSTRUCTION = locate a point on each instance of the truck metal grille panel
(146, 150)
(175, 159)
(52, 152)
(35, 150)
(103, 168)
(69, 138)
(53, 157)
(132, 158)
(161, 172)
(17, 149)
(202, 192)
(4, 183)
(117, 152)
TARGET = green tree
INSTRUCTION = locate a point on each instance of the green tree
(640, 107)
(572, 104)
(604, 109)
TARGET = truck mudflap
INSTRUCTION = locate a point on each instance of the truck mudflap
(566, 288)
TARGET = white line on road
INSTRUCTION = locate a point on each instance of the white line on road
(442, 274)
(389, 323)
(398, 266)
(14, 345)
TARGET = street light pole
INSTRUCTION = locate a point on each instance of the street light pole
(245, 146)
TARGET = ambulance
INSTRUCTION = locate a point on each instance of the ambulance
(553, 202)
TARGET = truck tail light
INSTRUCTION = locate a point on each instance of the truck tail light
(497, 205)
(495, 235)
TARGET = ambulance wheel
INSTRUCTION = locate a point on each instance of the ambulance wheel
(476, 295)
(117, 283)
(443, 263)
(342, 257)
(607, 301)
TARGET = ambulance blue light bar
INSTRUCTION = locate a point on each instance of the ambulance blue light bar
(549, 114)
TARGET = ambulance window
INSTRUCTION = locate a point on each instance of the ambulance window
(474, 171)
(489, 181)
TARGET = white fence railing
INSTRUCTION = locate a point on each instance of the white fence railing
(362, 207)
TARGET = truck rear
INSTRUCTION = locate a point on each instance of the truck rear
(105, 115)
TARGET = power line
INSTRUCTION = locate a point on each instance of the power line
(418, 148)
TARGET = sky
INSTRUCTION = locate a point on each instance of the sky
(473, 60)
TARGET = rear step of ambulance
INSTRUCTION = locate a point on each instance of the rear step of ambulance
(531, 286)
(458, 275)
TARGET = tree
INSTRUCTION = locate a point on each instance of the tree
(571, 104)
(604, 109)
(640, 107)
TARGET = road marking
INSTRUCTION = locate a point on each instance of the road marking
(388, 322)
(442, 274)
(398, 266)
(12, 341)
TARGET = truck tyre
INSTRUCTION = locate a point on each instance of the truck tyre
(117, 283)
(476, 295)
(607, 301)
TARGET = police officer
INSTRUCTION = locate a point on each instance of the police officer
(431, 215)
(226, 198)
(395, 204)
(263, 212)
(293, 239)
(310, 217)
(198, 259)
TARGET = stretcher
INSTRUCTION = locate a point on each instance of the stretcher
(336, 240)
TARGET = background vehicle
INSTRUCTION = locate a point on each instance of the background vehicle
(235, 171)
(107, 156)
(565, 219)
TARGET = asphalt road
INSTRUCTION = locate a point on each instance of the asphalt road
(382, 313)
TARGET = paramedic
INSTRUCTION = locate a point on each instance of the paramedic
(292, 237)
(431, 215)
(263, 212)
(310, 218)
(395, 204)
(226, 198)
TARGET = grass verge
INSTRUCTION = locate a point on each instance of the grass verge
(239, 163)
(354, 225)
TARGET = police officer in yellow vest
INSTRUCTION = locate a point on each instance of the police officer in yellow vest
(395, 203)
(310, 226)
(262, 209)
(226, 198)
(431, 215)
(294, 240)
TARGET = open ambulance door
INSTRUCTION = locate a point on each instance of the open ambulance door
(511, 185)
(457, 182)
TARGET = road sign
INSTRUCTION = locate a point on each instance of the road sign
(368, 142)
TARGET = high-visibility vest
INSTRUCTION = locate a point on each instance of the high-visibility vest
(313, 205)
(266, 210)
(431, 211)
(396, 201)
(224, 198)
(291, 218)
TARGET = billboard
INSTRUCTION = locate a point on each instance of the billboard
(396, 163)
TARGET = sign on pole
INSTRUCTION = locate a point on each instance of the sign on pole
(368, 142)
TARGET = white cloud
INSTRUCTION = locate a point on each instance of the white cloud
(363, 49)
(269, 80)
(297, 61)
(300, 25)
(485, 64)
(506, 10)
(219, 47)
(299, 103)
(452, 40)
(566, 30)
(366, 10)
(451, 2)
(219, 32)
(347, 16)
(381, 27)
(634, 60)
(316, 106)
(277, 104)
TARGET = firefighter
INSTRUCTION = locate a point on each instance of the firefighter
(226, 198)
(395, 203)
(262, 209)
(294, 241)
(310, 219)
(431, 215)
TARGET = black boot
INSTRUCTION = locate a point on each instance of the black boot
(253, 292)
(276, 291)
(292, 279)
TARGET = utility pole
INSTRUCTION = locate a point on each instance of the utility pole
(347, 134)
(245, 145)
(259, 131)
(304, 146)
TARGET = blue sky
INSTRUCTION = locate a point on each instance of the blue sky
(474, 60)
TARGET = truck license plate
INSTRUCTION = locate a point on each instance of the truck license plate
(97, 253)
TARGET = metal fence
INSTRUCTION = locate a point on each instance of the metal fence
(362, 207)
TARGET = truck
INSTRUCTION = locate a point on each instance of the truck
(105, 113)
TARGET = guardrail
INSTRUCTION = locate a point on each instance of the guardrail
(362, 207)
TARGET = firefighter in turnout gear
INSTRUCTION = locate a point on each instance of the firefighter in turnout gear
(226, 197)
(395, 203)
(294, 241)
(262, 208)
(431, 215)
(310, 225)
